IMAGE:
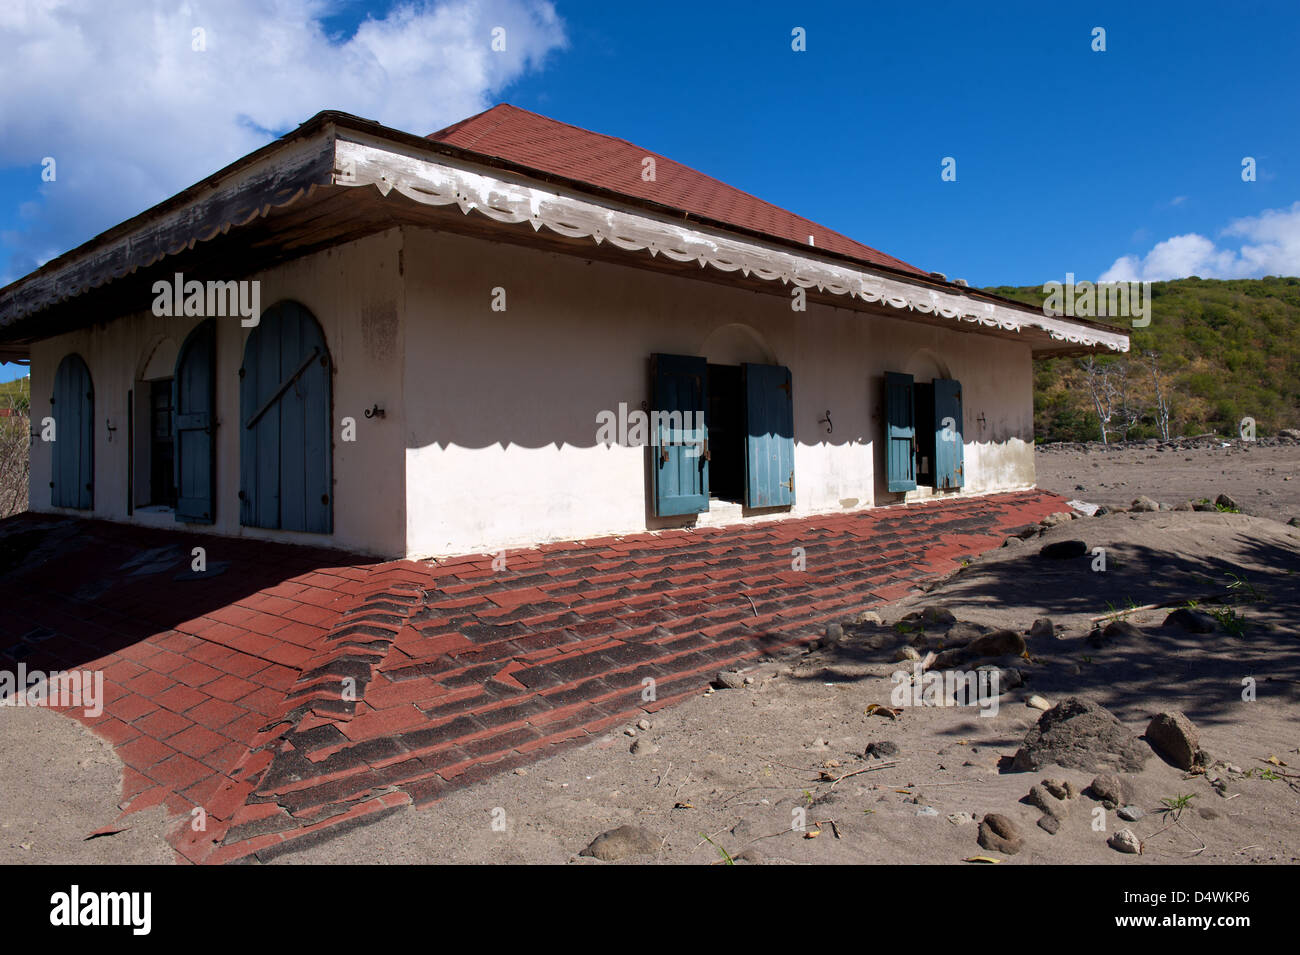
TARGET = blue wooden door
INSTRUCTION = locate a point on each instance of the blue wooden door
(285, 447)
(900, 432)
(769, 442)
(193, 405)
(948, 447)
(679, 436)
(72, 477)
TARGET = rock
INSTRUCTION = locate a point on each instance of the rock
(1198, 506)
(1064, 550)
(1294, 522)
(1184, 506)
(1049, 824)
(1109, 790)
(949, 659)
(1125, 841)
(1038, 703)
(643, 724)
(834, 634)
(927, 811)
(960, 818)
(1024, 531)
(643, 747)
(1223, 500)
(882, 749)
(1122, 630)
(1042, 629)
(622, 842)
(1144, 505)
(1101, 511)
(1060, 789)
(1130, 813)
(997, 644)
(999, 834)
(1040, 798)
(1057, 517)
(1193, 621)
(729, 680)
(1078, 734)
(870, 616)
(938, 616)
(906, 654)
(1174, 737)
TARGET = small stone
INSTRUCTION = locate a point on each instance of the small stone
(729, 680)
(1223, 500)
(834, 634)
(1036, 702)
(1125, 841)
(1130, 813)
(999, 834)
(1042, 629)
(629, 731)
(1144, 505)
(1044, 800)
(1049, 824)
(960, 818)
(620, 843)
(643, 724)
(906, 654)
(643, 747)
(927, 811)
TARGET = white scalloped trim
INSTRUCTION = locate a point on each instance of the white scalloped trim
(442, 184)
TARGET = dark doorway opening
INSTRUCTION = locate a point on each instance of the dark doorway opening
(725, 419)
(162, 482)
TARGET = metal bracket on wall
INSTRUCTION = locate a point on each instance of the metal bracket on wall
(826, 421)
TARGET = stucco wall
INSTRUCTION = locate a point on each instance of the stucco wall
(501, 405)
(355, 292)
(489, 438)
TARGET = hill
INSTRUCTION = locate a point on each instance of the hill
(1215, 352)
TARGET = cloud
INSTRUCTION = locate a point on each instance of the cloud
(1266, 244)
(116, 93)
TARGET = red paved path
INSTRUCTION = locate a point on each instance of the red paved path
(292, 691)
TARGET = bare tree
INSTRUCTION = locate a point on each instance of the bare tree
(1151, 361)
(1101, 379)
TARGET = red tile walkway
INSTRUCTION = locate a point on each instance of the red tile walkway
(291, 692)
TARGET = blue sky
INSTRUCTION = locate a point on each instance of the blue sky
(1123, 164)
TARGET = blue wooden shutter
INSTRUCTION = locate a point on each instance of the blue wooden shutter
(948, 447)
(769, 444)
(72, 474)
(193, 404)
(900, 432)
(678, 437)
(286, 443)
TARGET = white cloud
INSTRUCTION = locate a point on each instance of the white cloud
(1266, 244)
(115, 93)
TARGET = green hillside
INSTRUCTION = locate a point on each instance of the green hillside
(1223, 351)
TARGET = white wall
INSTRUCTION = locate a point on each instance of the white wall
(501, 406)
(355, 292)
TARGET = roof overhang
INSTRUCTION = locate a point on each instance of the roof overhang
(338, 177)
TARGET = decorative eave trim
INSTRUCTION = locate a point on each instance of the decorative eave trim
(444, 183)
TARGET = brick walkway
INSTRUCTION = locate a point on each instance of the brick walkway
(293, 691)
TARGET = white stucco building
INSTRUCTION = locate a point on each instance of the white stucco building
(446, 322)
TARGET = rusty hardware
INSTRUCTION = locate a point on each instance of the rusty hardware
(663, 454)
(708, 455)
(789, 484)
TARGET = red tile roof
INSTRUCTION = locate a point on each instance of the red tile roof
(547, 145)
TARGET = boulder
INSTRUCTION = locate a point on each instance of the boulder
(997, 644)
(1110, 790)
(1174, 737)
(1079, 734)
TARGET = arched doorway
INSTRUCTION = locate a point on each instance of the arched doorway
(72, 471)
(286, 453)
